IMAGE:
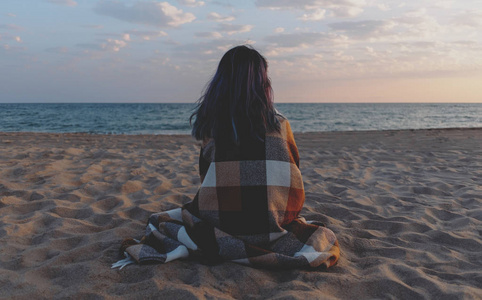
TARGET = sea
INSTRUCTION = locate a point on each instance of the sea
(173, 118)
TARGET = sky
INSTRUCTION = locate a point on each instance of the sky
(167, 51)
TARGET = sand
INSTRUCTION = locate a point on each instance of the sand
(406, 207)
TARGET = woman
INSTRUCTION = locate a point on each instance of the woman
(247, 209)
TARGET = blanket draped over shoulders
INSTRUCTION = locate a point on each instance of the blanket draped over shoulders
(246, 211)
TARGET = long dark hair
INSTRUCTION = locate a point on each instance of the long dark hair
(237, 102)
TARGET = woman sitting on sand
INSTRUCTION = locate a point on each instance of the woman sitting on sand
(247, 209)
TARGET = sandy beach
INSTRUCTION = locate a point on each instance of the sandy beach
(405, 205)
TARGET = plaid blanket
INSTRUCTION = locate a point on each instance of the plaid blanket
(246, 211)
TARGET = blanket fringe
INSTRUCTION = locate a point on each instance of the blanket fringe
(123, 262)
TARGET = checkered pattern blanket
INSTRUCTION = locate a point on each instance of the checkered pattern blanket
(246, 211)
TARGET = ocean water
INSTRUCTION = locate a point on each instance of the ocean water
(169, 118)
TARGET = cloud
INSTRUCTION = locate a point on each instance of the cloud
(347, 11)
(58, 50)
(468, 18)
(317, 15)
(115, 42)
(93, 26)
(63, 2)
(126, 37)
(10, 37)
(418, 23)
(364, 29)
(231, 29)
(383, 6)
(192, 3)
(300, 42)
(279, 29)
(197, 55)
(286, 4)
(209, 35)
(11, 15)
(110, 45)
(10, 27)
(13, 49)
(223, 4)
(304, 39)
(146, 35)
(337, 8)
(214, 16)
(160, 14)
(307, 4)
(114, 45)
(467, 44)
(90, 46)
(446, 4)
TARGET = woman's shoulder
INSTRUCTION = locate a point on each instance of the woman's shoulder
(284, 131)
(281, 119)
(279, 115)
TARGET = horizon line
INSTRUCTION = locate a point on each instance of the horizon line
(350, 102)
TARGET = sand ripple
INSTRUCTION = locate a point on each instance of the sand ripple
(405, 205)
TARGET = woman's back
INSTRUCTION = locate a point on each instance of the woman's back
(252, 189)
